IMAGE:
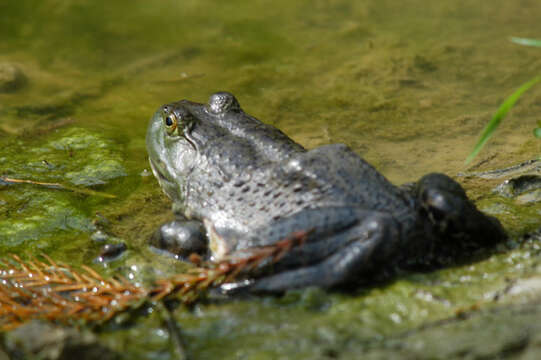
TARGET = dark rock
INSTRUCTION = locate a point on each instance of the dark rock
(111, 252)
(519, 185)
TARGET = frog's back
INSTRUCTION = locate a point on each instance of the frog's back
(260, 190)
(342, 177)
(334, 175)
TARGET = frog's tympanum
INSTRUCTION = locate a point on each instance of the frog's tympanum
(238, 184)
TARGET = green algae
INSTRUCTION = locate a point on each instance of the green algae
(32, 215)
(407, 85)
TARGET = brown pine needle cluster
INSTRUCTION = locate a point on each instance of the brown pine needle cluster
(35, 289)
(48, 290)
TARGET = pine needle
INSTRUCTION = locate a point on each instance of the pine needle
(8, 180)
(36, 289)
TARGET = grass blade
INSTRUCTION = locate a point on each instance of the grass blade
(504, 108)
(537, 133)
(525, 41)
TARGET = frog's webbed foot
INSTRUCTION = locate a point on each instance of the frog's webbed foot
(360, 259)
(181, 238)
(442, 200)
(445, 204)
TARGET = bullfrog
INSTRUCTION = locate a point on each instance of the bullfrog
(238, 184)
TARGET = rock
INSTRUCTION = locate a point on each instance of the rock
(502, 333)
(11, 78)
(97, 173)
(3, 355)
(531, 166)
(110, 252)
(45, 341)
(99, 236)
(519, 185)
(523, 183)
(529, 197)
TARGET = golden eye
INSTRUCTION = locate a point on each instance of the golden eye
(170, 122)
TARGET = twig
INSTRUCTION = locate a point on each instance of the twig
(175, 333)
(8, 180)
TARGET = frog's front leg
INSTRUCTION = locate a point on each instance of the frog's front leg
(181, 237)
(372, 249)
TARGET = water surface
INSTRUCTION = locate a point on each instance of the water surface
(408, 85)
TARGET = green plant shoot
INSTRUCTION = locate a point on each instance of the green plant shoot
(526, 41)
(504, 108)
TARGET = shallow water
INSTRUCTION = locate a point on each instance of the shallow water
(408, 85)
(397, 82)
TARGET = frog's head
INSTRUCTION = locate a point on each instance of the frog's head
(177, 135)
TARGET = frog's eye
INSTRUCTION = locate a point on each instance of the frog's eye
(170, 121)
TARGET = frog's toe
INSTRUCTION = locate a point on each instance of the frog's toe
(445, 204)
(181, 238)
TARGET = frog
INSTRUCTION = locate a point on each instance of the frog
(238, 185)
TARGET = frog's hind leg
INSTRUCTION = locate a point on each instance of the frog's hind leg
(361, 259)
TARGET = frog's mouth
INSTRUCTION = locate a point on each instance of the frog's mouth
(168, 186)
(156, 171)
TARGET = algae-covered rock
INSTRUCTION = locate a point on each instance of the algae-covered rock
(503, 333)
(73, 156)
(11, 78)
(98, 173)
(44, 341)
(96, 159)
(37, 214)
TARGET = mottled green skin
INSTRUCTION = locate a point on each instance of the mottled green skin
(250, 186)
